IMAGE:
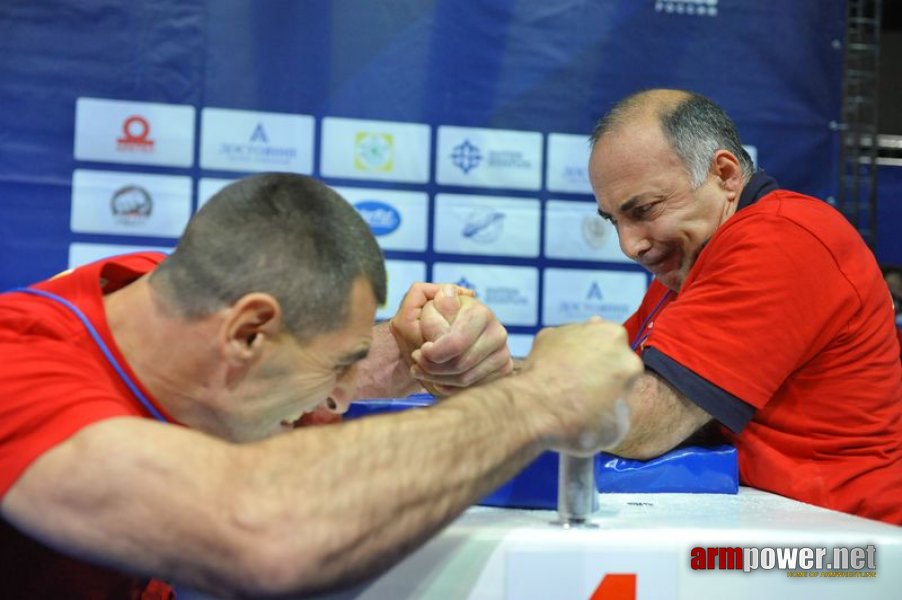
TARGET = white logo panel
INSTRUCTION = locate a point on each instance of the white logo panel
(401, 274)
(397, 219)
(146, 133)
(568, 163)
(574, 230)
(497, 226)
(242, 140)
(207, 187)
(511, 292)
(575, 295)
(378, 150)
(493, 158)
(130, 203)
(82, 254)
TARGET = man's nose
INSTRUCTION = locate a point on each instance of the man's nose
(633, 240)
(338, 402)
(343, 393)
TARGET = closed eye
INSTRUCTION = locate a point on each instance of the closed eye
(642, 211)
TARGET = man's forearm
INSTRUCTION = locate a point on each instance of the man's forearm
(660, 418)
(422, 468)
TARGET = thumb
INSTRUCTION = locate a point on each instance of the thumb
(447, 302)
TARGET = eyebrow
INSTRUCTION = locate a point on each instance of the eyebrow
(358, 355)
(626, 206)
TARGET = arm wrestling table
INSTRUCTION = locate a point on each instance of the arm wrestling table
(641, 548)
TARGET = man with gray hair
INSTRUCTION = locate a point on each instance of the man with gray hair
(148, 408)
(767, 313)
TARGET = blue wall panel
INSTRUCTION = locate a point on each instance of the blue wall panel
(547, 67)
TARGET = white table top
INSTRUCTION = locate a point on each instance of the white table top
(495, 554)
(501, 554)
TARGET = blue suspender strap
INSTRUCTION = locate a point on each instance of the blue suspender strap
(641, 338)
(100, 344)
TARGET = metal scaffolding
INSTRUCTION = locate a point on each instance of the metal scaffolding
(857, 189)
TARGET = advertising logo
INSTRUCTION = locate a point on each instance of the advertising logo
(483, 225)
(595, 231)
(466, 156)
(122, 131)
(373, 151)
(803, 561)
(487, 225)
(131, 205)
(382, 218)
(573, 230)
(257, 150)
(120, 203)
(135, 135)
(575, 295)
(592, 303)
(698, 8)
(259, 134)
(245, 140)
(594, 292)
(495, 158)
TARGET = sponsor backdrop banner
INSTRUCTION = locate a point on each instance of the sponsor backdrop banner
(458, 130)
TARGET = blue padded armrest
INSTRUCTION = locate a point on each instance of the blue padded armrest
(690, 469)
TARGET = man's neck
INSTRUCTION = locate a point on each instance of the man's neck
(169, 354)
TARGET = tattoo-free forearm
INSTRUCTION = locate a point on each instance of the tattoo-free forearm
(660, 418)
(377, 487)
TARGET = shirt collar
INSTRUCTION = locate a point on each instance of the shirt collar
(758, 186)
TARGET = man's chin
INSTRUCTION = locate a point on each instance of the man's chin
(671, 280)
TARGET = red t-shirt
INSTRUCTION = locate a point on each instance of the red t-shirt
(54, 381)
(784, 320)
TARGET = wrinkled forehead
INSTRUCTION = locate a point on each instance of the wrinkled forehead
(628, 162)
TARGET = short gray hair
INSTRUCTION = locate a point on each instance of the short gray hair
(695, 127)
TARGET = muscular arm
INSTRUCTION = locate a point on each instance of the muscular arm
(660, 418)
(317, 507)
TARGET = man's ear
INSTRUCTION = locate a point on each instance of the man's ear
(247, 324)
(729, 173)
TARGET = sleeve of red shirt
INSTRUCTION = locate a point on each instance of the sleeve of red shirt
(48, 392)
(764, 297)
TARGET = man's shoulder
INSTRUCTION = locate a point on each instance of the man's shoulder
(783, 213)
(28, 316)
(792, 206)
